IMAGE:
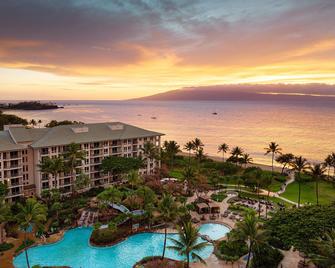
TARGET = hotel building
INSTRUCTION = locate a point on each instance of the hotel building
(23, 149)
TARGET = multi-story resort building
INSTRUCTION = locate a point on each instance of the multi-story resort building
(23, 149)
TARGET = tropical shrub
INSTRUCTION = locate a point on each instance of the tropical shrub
(5, 246)
(266, 256)
(232, 250)
(107, 236)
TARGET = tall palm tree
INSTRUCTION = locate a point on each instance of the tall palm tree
(31, 213)
(325, 250)
(328, 162)
(53, 166)
(299, 165)
(197, 144)
(188, 243)
(246, 159)
(274, 149)
(317, 172)
(73, 157)
(251, 231)
(285, 160)
(224, 149)
(188, 176)
(199, 149)
(171, 148)
(236, 154)
(150, 151)
(189, 146)
(168, 210)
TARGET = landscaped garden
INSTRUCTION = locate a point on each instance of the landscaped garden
(139, 210)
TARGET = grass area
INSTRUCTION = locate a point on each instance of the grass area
(176, 173)
(326, 192)
(275, 186)
(219, 196)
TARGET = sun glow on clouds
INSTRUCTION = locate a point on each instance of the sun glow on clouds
(131, 49)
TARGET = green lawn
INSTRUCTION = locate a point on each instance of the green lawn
(275, 186)
(326, 192)
(176, 173)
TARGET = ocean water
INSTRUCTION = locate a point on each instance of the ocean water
(304, 128)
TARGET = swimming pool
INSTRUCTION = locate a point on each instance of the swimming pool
(75, 251)
(215, 231)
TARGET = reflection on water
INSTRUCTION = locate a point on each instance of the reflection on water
(306, 129)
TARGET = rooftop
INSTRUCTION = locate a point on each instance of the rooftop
(62, 135)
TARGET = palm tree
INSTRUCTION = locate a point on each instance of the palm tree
(150, 151)
(325, 248)
(328, 162)
(168, 210)
(246, 159)
(5, 212)
(188, 176)
(52, 166)
(31, 213)
(33, 122)
(252, 232)
(39, 122)
(82, 181)
(223, 148)
(274, 149)
(56, 207)
(189, 146)
(285, 160)
(199, 149)
(188, 243)
(317, 172)
(236, 153)
(299, 165)
(197, 144)
(73, 157)
(171, 148)
(134, 178)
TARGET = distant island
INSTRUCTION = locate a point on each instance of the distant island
(29, 105)
(247, 92)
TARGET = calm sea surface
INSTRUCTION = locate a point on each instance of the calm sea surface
(303, 128)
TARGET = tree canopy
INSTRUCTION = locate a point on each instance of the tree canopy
(120, 165)
(297, 227)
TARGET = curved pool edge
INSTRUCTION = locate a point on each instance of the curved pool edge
(65, 232)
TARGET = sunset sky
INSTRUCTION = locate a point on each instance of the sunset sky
(104, 49)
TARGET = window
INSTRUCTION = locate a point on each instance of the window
(54, 150)
(44, 151)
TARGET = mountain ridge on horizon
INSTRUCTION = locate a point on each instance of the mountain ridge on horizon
(246, 92)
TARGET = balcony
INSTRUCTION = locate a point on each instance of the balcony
(9, 175)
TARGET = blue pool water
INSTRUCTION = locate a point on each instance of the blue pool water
(213, 230)
(75, 251)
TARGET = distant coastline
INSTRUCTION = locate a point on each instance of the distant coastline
(29, 106)
(250, 92)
